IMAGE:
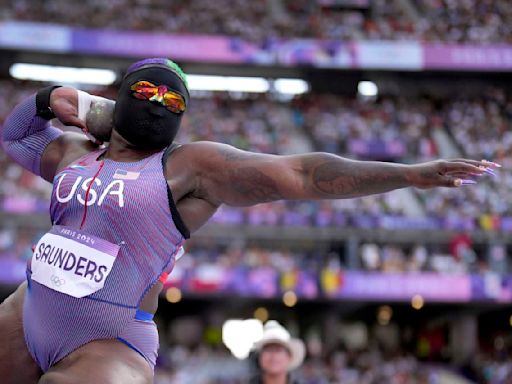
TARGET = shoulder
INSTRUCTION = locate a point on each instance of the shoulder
(204, 155)
(210, 153)
(188, 166)
(63, 151)
(73, 145)
(209, 147)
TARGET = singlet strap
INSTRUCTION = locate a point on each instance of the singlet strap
(176, 217)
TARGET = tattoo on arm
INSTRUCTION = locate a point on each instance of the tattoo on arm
(254, 185)
(250, 184)
(309, 176)
(345, 179)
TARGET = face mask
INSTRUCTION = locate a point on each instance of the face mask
(150, 106)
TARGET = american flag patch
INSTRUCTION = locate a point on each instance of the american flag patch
(121, 174)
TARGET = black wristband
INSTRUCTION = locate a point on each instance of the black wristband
(43, 102)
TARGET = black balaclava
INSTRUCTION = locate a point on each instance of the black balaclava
(143, 123)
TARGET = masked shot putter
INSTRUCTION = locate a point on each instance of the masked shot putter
(120, 214)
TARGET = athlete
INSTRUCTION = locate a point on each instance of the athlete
(120, 214)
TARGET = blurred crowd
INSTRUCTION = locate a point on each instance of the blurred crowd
(458, 257)
(492, 369)
(478, 21)
(355, 367)
(262, 22)
(256, 21)
(191, 351)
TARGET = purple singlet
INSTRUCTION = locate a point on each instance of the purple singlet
(125, 204)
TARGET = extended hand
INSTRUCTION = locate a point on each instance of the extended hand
(448, 173)
(64, 104)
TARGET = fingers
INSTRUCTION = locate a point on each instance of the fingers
(484, 163)
(458, 174)
(91, 137)
(75, 121)
(491, 163)
(476, 163)
(460, 167)
(67, 112)
(486, 172)
(462, 175)
(451, 167)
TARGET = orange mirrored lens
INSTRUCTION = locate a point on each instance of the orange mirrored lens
(142, 84)
(174, 102)
(171, 100)
(145, 89)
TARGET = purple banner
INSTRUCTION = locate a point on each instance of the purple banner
(389, 55)
(385, 55)
(491, 286)
(411, 223)
(179, 47)
(369, 54)
(266, 282)
(467, 57)
(219, 49)
(35, 36)
(402, 287)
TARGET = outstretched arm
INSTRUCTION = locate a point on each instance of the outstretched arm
(226, 175)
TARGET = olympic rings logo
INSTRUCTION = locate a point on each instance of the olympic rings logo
(57, 281)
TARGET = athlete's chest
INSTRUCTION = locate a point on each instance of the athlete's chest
(106, 185)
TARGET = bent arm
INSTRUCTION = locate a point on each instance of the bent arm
(230, 176)
(25, 135)
(30, 139)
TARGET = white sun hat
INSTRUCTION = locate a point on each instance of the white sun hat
(275, 333)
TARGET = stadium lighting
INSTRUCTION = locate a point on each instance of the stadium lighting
(227, 83)
(290, 299)
(367, 89)
(417, 302)
(246, 84)
(69, 75)
(173, 295)
(261, 314)
(291, 86)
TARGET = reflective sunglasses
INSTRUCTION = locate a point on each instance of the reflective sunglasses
(173, 101)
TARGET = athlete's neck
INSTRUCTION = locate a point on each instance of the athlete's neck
(121, 150)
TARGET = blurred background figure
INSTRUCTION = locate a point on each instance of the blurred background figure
(278, 355)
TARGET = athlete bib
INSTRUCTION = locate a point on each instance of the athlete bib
(72, 261)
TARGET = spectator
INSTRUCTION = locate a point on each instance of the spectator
(278, 354)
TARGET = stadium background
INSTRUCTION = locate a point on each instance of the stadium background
(407, 287)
